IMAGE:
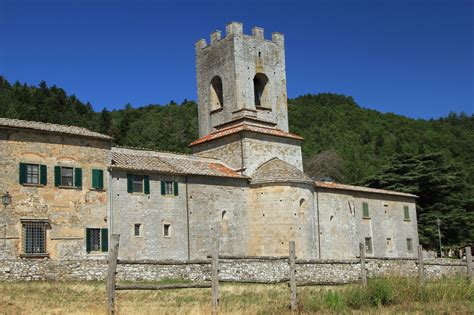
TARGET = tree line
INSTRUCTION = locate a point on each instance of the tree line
(344, 141)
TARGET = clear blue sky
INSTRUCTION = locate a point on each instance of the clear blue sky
(413, 58)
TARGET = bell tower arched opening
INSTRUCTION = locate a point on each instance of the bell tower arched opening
(260, 82)
(217, 97)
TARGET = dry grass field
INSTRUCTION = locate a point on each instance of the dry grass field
(454, 296)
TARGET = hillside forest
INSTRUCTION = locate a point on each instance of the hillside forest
(433, 159)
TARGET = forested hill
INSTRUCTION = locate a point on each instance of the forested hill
(342, 140)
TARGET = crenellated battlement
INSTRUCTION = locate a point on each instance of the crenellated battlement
(237, 29)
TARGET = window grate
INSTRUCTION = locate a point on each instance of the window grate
(34, 237)
(137, 229)
(94, 239)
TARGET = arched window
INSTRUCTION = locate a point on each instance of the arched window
(217, 100)
(259, 87)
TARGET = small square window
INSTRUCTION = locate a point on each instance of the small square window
(368, 245)
(166, 229)
(67, 177)
(365, 210)
(138, 183)
(169, 188)
(137, 231)
(406, 211)
(32, 174)
(409, 245)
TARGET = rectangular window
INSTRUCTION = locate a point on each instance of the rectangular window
(138, 183)
(137, 229)
(409, 245)
(365, 210)
(67, 177)
(168, 188)
(94, 240)
(368, 245)
(166, 229)
(97, 240)
(406, 211)
(389, 245)
(32, 174)
(34, 237)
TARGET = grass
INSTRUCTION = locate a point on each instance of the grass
(390, 295)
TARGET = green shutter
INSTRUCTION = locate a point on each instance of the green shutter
(43, 175)
(88, 240)
(98, 179)
(57, 176)
(146, 184)
(130, 183)
(175, 188)
(163, 188)
(365, 209)
(22, 173)
(407, 213)
(101, 179)
(78, 177)
(104, 240)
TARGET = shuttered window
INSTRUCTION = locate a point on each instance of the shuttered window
(169, 188)
(33, 174)
(97, 179)
(365, 210)
(65, 176)
(97, 240)
(138, 183)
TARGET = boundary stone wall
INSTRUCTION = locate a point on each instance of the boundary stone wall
(239, 270)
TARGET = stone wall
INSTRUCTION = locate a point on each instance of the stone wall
(239, 270)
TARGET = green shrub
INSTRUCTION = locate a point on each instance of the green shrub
(334, 301)
(380, 292)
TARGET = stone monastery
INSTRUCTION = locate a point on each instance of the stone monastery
(243, 184)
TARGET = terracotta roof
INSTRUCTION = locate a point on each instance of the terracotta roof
(278, 171)
(54, 128)
(245, 127)
(333, 185)
(170, 163)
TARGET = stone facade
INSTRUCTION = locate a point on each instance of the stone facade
(66, 211)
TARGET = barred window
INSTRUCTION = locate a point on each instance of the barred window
(169, 188)
(34, 237)
(67, 176)
(137, 229)
(32, 174)
(94, 240)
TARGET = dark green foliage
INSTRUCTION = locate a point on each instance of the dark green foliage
(365, 140)
(444, 190)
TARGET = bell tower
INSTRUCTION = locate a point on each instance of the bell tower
(243, 110)
(241, 78)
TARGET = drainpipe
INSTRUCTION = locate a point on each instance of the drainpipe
(242, 168)
(111, 203)
(187, 217)
(319, 227)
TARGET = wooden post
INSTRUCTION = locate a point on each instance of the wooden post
(215, 278)
(421, 266)
(112, 272)
(470, 263)
(292, 263)
(363, 272)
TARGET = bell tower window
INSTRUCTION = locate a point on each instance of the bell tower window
(259, 87)
(217, 100)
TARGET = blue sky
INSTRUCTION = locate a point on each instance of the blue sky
(413, 58)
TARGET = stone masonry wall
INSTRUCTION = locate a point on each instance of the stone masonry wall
(239, 270)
